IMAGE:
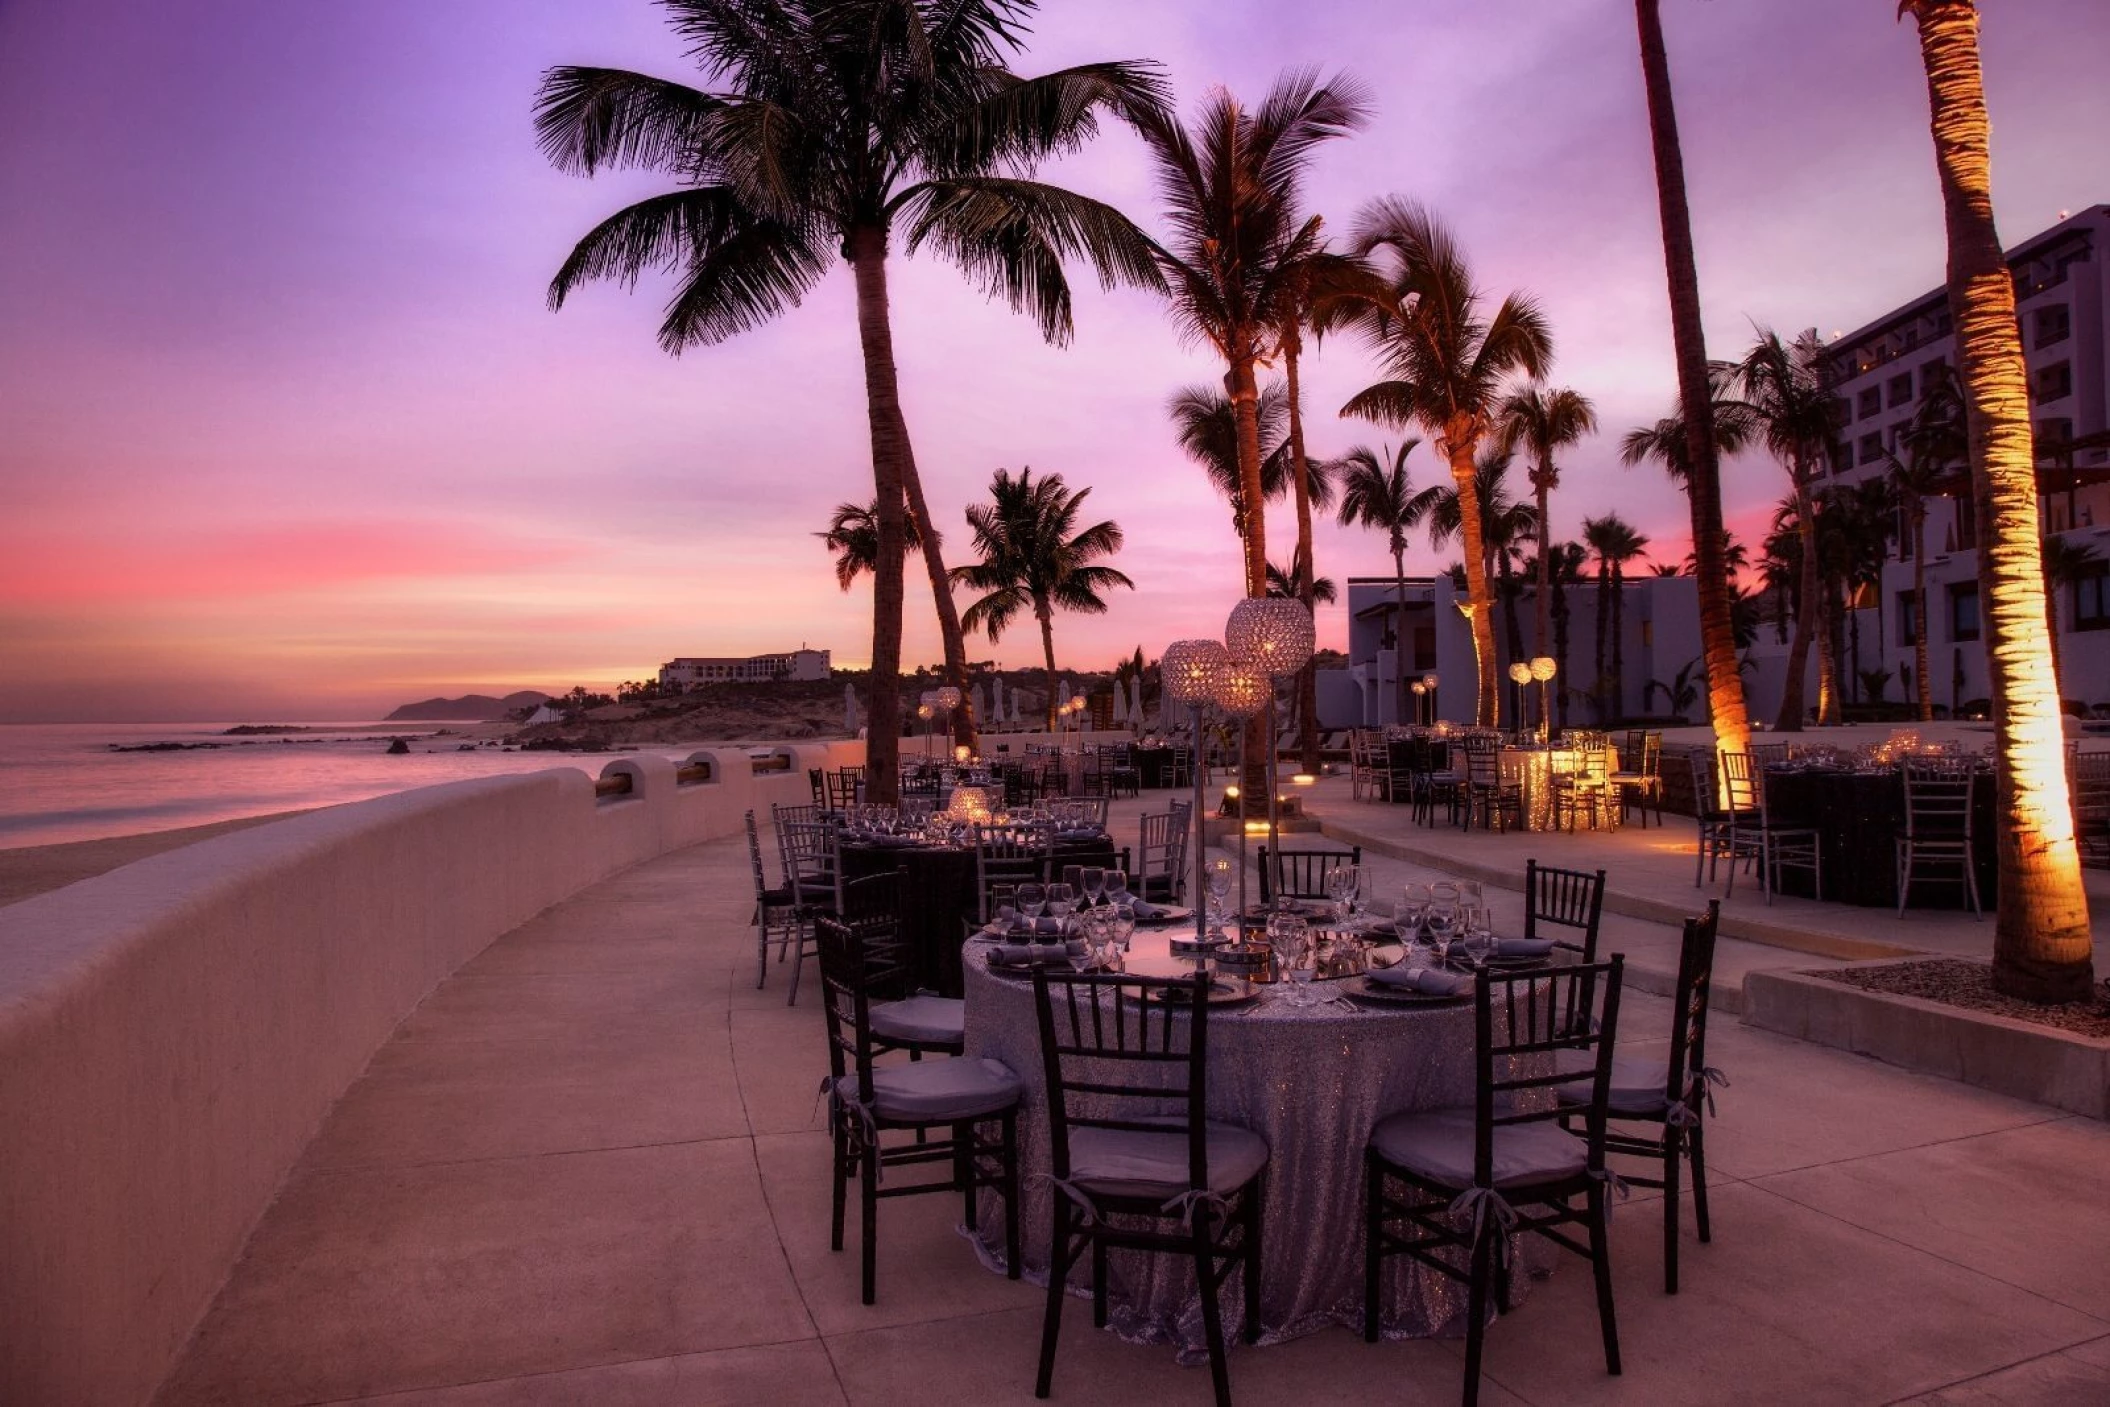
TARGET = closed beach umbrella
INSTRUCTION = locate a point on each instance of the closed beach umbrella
(1135, 700)
(981, 707)
(1120, 704)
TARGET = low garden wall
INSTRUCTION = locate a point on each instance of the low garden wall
(172, 1033)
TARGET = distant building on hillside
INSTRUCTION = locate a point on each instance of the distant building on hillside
(691, 670)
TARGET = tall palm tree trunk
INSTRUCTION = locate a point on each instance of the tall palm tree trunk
(1046, 617)
(964, 723)
(1458, 446)
(1245, 410)
(1618, 641)
(1559, 689)
(1922, 688)
(1703, 486)
(1303, 569)
(1542, 604)
(1808, 618)
(1600, 682)
(1513, 631)
(1399, 628)
(2041, 946)
(866, 251)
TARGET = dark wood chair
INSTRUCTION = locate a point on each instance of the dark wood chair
(866, 1101)
(1449, 1187)
(1300, 874)
(1567, 899)
(1659, 1108)
(1126, 1062)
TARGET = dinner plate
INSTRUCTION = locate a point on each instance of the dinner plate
(1399, 996)
(1164, 917)
(1223, 991)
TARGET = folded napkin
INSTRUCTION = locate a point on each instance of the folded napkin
(1080, 833)
(1143, 910)
(1523, 947)
(1430, 980)
(1030, 954)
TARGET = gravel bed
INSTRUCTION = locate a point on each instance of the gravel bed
(1970, 985)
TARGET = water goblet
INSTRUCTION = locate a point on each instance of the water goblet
(1062, 902)
(1031, 898)
(1340, 885)
(1218, 874)
(1092, 878)
(1122, 927)
(1440, 920)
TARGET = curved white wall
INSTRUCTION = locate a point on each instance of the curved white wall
(172, 1032)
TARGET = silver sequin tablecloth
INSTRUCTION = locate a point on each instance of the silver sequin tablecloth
(1312, 1082)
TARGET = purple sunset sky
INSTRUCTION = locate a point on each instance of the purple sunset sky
(287, 429)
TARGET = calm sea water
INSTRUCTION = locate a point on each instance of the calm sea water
(61, 782)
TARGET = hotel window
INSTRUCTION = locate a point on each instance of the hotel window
(1870, 403)
(1901, 389)
(2055, 382)
(1963, 611)
(2091, 599)
(2053, 432)
(1908, 616)
(1965, 531)
(1842, 410)
(1944, 324)
(1932, 372)
(2054, 325)
(1871, 447)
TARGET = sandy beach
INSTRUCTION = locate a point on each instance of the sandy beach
(37, 869)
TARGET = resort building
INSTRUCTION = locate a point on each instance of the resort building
(1882, 371)
(691, 670)
(1658, 636)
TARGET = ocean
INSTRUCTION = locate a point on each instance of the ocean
(62, 782)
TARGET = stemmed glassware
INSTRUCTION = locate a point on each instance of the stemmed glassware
(1342, 881)
(1062, 902)
(1031, 898)
(1093, 880)
(1441, 919)
(1218, 875)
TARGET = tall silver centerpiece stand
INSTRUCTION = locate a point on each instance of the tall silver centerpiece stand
(1192, 671)
(1242, 693)
(1275, 636)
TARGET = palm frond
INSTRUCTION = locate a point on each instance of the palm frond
(589, 119)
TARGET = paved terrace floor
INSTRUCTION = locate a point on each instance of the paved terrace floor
(588, 1169)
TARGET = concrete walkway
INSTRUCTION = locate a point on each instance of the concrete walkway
(588, 1170)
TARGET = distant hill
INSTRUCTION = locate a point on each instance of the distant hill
(481, 708)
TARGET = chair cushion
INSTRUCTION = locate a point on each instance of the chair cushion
(1138, 1163)
(1438, 1145)
(1637, 1082)
(925, 1019)
(939, 1091)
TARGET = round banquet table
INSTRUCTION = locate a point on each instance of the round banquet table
(1153, 767)
(1312, 1082)
(1858, 817)
(938, 897)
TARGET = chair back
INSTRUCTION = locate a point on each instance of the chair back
(1572, 899)
(1009, 856)
(1300, 874)
(1092, 772)
(1937, 801)
(1093, 809)
(846, 998)
(816, 779)
(845, 786)
(810, 860)
(1688, 1024)
(754, 856)
(1738, 782)
(1162, 846)
(1118, 1054)
(1483, 760)
(1521, 1020)
(1764, 755)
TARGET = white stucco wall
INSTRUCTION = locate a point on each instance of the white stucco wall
(173, 1032)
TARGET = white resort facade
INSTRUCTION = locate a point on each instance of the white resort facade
(688, 671)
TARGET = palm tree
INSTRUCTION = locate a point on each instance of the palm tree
(1505, 525)
(1232, 189)
(1377, 492)
(1854, 525)
(837, 127)
(1207, 425)
(1281, 584)
(1446, 366)
(853, 536)
(1615, 543)
(1566, 571)
(2041, 949)
(1937, 447)
(1797, 414)
(1542, 421)
(1035, 558)
(1703, 476)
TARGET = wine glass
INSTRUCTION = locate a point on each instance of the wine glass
(1218, 874)
(1285, 932)
(1093, 880)
(1341, 882)
(1413, 904)
(1098, 936)
(1062, 902)
(1479, 944)
(1441, 919)
(1114, 882)
(1122, 927)
(1031, 899)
